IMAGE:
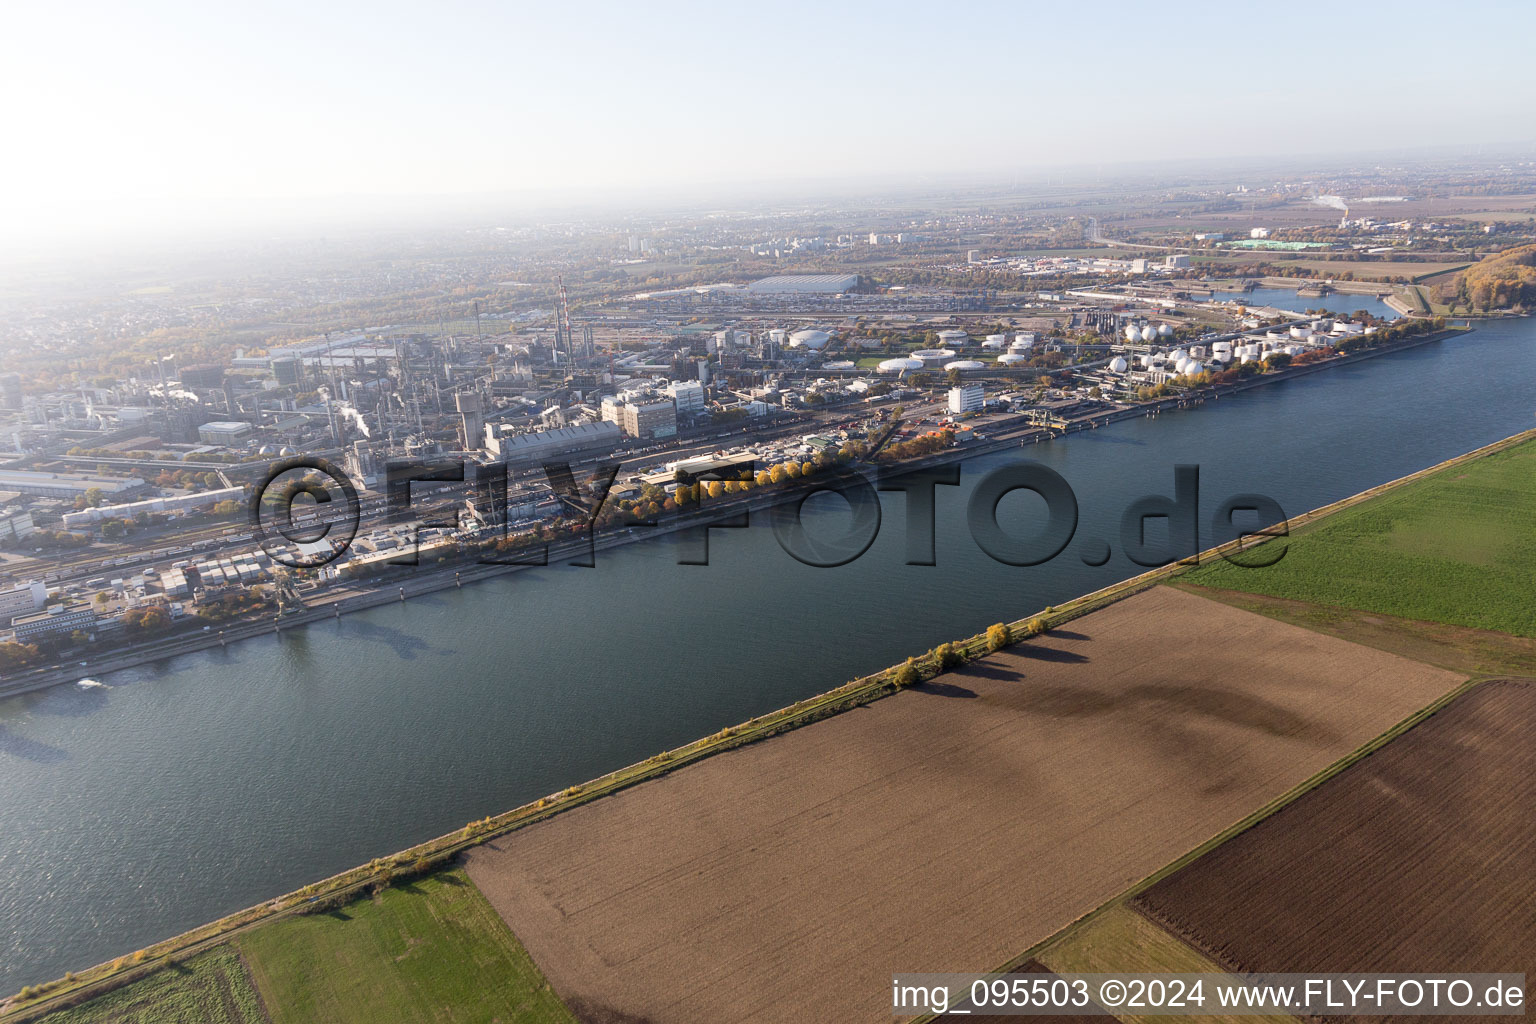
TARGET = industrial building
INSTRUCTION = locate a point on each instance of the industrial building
(22, 599)
(58, 620)
(153, 506)
(648, 420)
(16, 525)
(688, 396)
(58, 485)
(563, 442)
(966, 398)
(826, 284)
(224, 432)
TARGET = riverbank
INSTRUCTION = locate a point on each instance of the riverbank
(434, 852)
(345, 601)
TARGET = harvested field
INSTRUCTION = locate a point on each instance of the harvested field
(1420, 857)
(1030, 967)
(788, 879)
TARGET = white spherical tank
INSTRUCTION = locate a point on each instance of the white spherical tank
(1145, 359)
(1179, 364)
(1118, 365)
(1193, 367)
(1178, 354)
(1165, 330)
(1133, 333)
(1149, 334)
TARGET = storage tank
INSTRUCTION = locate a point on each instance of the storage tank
(934, 356)
(840, 364)
(1023, 339)
(994, 342)
(1118, 365)
(1301, 333)
(952, 338)
(899, 365)
(1012, 358)
(1149, 333)
(1146, 360)
(1133, 333)
(1165, 330)
(813, 340)
(966, 364)
(1178, 354)
(1193, 367)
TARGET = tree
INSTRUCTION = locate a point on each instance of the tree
(807, 468)
(101, 598)
(113, 529)
(764, 478)
(946, 657)
(777, 475)
(792, 469)
(908, 675)
(716, 489)
(999, 636)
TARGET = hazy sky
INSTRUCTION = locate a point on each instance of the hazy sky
(144, 105)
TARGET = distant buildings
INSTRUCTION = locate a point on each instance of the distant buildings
(16, 525)
(688, 396)
(1176, 261)
(57, 485)
(564, 442)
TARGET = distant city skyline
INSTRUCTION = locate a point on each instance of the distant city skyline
(169, 110)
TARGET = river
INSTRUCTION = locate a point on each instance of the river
(200, 785)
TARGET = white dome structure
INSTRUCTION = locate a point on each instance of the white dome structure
(1012, 358)
(1149, 334)
(1165, 330)
(1118, 365)
(1178, 354)
(1133, 333)
(1145, 359)
(899, 365)
(840, 364)
(953, 337)
(966, 364)
(813, 340)
(1193, 367)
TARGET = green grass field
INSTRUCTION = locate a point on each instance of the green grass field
(428, 950)
(1457, 547)
(211, 988)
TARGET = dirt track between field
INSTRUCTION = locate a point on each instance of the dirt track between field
(944, 829)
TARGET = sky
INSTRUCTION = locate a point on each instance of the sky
(164, 109)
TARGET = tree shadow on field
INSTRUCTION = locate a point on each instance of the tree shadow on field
(1065, 634)
(338, 914)
(945, 689)
(985, 670)
(589, 1012)
(1237, 708)
(1049, 654)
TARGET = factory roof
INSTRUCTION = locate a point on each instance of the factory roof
(805, 283)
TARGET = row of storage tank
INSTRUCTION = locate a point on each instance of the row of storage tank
(1148, 333)
(1188, 362)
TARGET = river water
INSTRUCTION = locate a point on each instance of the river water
(209, 782)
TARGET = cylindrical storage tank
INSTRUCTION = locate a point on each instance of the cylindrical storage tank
(898, 365)
(1221, 346)
(1149, 334)
(994, 342)
(779, 336)
(953, 338)
(934, 356)
(1118, 365)
(840, 364)
(1197, 352)
(1012, 358)
(1023, 339)
(1133, 333)
(966, 364)
(813, 340)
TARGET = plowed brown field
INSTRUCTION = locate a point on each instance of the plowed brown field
(1421, 857)
(947, 828)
